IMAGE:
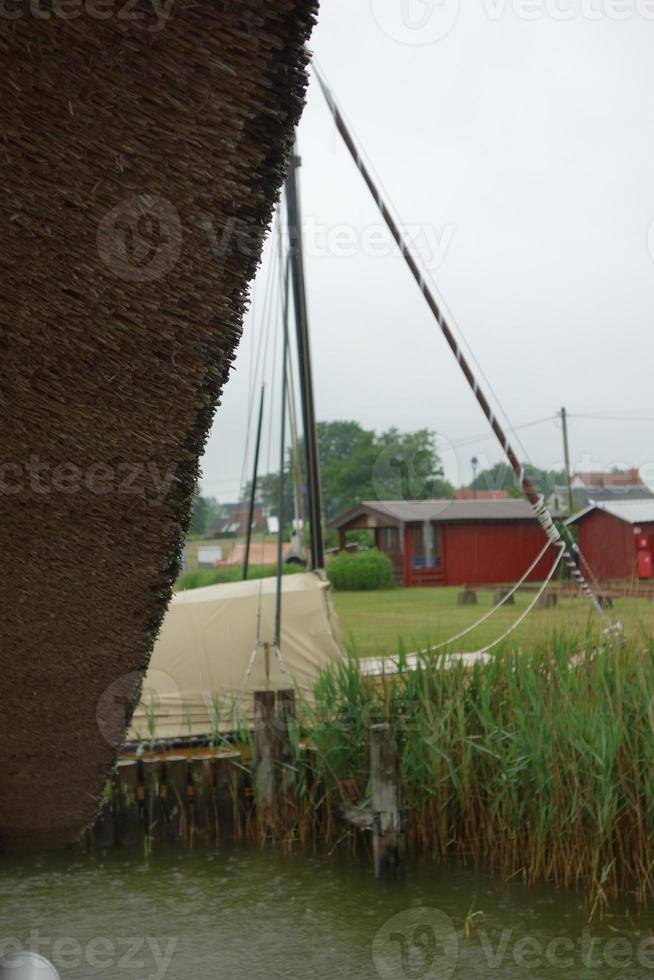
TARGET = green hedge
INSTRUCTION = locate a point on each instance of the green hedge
(221, 576)
(363, 571)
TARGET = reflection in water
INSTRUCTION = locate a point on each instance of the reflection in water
(246, 914)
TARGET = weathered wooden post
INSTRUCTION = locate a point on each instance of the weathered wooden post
(387, 830)
(264, 757)
(505, 597)
(154, 810)
(286, 713)
(104, 829)
(225, 779)
(127, 811)
(467, 597)
(176, 798)
(202, 807)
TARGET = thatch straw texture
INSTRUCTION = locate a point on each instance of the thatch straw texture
(139, 164)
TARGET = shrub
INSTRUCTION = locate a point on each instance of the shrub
(363, 571)
(202, 577)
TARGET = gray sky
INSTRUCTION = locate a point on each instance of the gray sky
(516, 141)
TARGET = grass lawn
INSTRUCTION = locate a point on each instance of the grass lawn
(372, 623)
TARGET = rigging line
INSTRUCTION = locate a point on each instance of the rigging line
(284, 286)
(259, 369)
(468, 440)
(396, 216)
(521, 619)
(298, 503)
(273, 364)
(295, 461)
(536, 500)
(255, 378)
(505, 599)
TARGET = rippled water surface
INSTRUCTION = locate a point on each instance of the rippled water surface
(247, 914)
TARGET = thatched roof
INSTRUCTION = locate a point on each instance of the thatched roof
(128, 150)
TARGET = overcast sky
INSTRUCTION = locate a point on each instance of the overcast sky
(516, 141)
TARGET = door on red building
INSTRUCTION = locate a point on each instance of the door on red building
(426, 554)
(643, 555)
(645, 564)
(389, 540)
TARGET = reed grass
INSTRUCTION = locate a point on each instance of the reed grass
(539, 765)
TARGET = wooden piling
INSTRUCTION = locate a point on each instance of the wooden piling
(387, 830)
(127, 817)
(203, 816)
(225, 780)
(154, 809)
(104, 828)
(264, 757)
(501, 597)
(285, 717)
(175, 797)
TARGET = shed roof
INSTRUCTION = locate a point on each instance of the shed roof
(407, 511)
(629, 511)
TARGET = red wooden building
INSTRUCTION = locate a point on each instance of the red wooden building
(452, 542)
(617, 538)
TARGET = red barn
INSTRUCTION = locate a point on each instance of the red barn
(617, 538)
(452, 542)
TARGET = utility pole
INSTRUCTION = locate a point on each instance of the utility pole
(304, 358)
(566, 453)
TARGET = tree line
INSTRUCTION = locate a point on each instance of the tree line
(361, 464)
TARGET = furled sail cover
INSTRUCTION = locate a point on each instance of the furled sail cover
(142, 147)
(211, 655)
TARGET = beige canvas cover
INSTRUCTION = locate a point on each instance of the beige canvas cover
(196, 681)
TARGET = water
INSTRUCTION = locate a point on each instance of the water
(247, 914)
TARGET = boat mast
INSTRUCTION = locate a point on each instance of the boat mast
(281, 510)
(304, 358)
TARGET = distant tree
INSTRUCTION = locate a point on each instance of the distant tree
(502, 477)
(199, 516)
(409, 467)
(206, 512)
(358, 464)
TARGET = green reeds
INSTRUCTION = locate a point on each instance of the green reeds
(539, 765)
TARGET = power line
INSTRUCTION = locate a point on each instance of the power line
(469, 440)
(611, 418)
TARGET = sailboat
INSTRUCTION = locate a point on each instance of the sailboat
(221, 643)
(558, 538)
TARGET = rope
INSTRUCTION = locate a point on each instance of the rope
(531, 605)
(536, 500)
(504, 600)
